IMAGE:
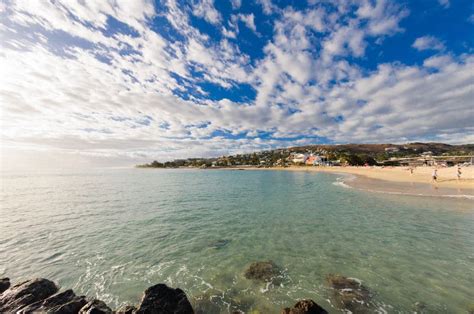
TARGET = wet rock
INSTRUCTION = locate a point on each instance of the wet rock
(470, 309)
(219, 244)
(420, 307)
(263, 271)
(161, 299)
(61, 302)
(95, 307)
(305, 307)
(4, 284)
(126, 309)
(349, 293)
(26, 293)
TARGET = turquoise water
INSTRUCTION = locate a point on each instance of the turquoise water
(113, 233)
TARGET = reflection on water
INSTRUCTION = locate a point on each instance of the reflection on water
(113, 233)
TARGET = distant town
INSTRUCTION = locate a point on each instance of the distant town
(411, 154)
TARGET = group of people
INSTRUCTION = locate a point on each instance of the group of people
(434, 175)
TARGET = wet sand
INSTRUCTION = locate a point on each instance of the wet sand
(446, 176)
(406, 188)
(398, 180)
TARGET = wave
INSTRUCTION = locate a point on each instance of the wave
(343, 182)
(344, 177)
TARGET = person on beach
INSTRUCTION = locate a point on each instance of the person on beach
(411, 170)
(459, 173)
(434, 175)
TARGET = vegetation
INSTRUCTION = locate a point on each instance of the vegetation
(348, 154)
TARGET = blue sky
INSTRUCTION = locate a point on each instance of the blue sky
(119, 82)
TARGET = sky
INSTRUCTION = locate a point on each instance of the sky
(114, 83)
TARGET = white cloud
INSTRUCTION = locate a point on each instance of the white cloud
(206, 10)
(128, 108)
(236, 4)
(428, 43)
(438, 61)
(471, 18)
(444, 3)
(248, 20)
(267, 6)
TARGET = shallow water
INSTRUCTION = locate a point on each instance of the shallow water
(113, 233)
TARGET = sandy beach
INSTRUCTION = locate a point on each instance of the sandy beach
(446, 176)
(400, 180)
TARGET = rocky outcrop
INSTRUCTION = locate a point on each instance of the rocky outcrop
(161, 299)
(95, 307)
(349, 293)
(4, 284)
(61, 302)
(263, 271)
(305, 307)
(126, 309)
(41, 295)
(25, 293)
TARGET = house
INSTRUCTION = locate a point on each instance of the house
(315, 160)
(392, 149)
(299, 158)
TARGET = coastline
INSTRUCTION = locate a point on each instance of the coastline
(398, 180)
(42, 295)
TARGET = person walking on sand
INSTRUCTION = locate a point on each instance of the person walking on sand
(434, 175)
(459, 173)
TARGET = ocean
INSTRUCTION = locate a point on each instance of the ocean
(112, 233)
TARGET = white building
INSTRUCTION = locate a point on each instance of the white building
(299, 158)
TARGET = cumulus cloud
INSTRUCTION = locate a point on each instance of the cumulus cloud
(141, 94)
(428, 43)
(206, 10)
(248, 20)
(236, 4)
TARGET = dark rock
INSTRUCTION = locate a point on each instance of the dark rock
(95, 307)
(305, 307)
(349, 293)
(263, 271)
(126, 309)
(219, 244)
(26, 293)
(420, 307)
(61, 302)
(4, 284)
(161, 299)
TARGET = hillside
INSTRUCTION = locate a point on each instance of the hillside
(351, 154)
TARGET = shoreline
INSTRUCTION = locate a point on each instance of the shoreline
(42, 295)
(397, 180)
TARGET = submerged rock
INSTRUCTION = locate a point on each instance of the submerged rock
(61, 302)
(349, 293)
(420, 307)
(263, 271)
(305, 307)
(4, 284)
(95, 307)
(219, 244)
(26, 293)
(470, 309)
(203, 304)
(161, 299)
